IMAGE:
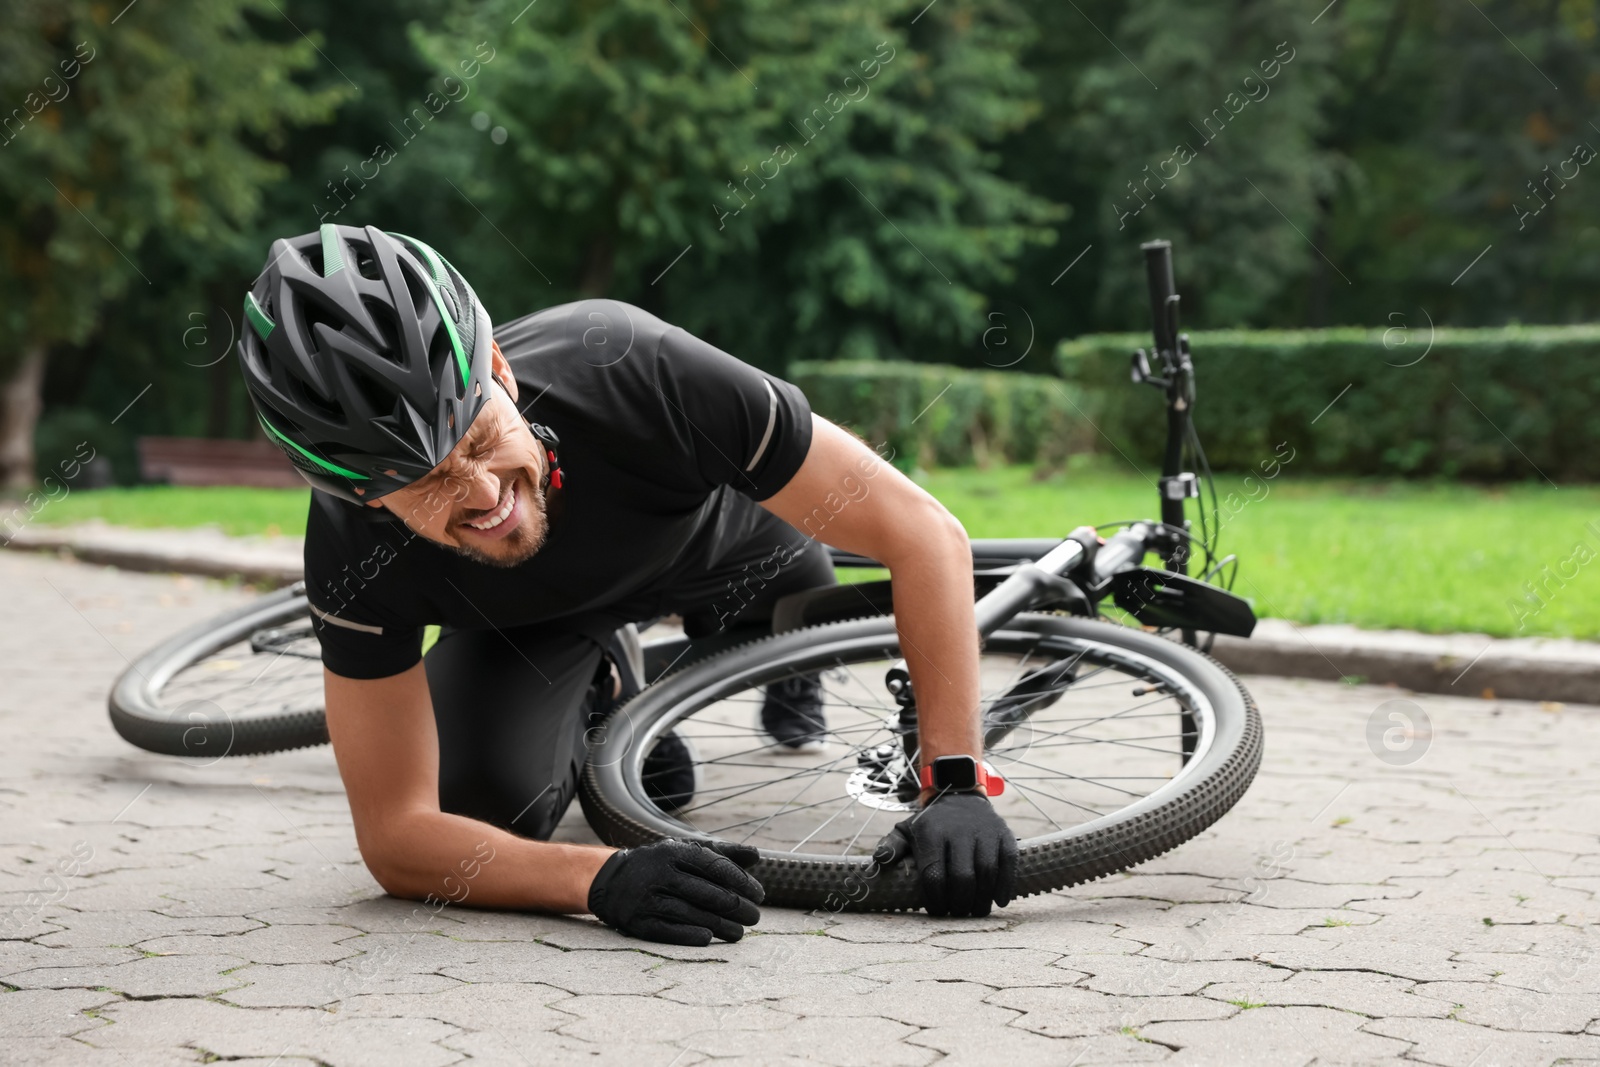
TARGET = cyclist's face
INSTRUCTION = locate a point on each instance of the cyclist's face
(485, 500)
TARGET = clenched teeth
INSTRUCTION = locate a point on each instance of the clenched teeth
(500, 516)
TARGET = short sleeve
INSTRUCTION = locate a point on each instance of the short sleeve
(748, 430)
(360, 636)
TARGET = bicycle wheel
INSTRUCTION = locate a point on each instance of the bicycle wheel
(1083, 718)
(244, 683)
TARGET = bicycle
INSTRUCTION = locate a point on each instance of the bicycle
(1094, 784)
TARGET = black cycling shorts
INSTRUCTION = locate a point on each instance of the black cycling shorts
(511, 704)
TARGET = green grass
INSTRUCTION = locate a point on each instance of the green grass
(237, 511)
(1431, 556)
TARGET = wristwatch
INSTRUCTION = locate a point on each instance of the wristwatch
(962, 774)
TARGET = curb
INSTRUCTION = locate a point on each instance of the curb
(1454, 664)
(1465, 665)
(271, 561)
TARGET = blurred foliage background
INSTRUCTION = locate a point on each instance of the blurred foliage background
(963, 182)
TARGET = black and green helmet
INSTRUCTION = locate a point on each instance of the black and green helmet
(366, 355)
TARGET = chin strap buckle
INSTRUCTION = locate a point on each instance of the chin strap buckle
(547, 437)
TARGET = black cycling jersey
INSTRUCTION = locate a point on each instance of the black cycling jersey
(665, 442)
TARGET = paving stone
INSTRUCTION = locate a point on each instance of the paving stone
(314, 985)
(616, 970)
(986, 1046)
(1078, 1012)
(1511, 1008)
(867, 1042)
(1375, 995)
(1059, 935)
(1275, 1036)
(601, 1018)
(917, 1003)
(132, 927)
(530, 1049)
(517, 1009)
(997, 967)
(166, 976)
(869, 929)
(267, 944)
(1452, 1043)
(719, 983)
(51, 1013)
(67, 1052)
(1142, 976)
(322, 1037)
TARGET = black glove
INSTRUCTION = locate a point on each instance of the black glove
(966, 854)
(679, 892)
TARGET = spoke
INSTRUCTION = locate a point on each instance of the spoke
(741, 788)
(1124, 741)
(1024, 793)
(1075, 777)
(1103, 718)
(872, 813)
(1060, 800)
(824, 824)
(819, 772)
(1015, 675)
(768, 818)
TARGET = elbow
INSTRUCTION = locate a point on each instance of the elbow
(948, 528)
(384, 854)
(930, 535)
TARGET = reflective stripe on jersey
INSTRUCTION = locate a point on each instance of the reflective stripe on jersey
(346, 623)
(772, 421)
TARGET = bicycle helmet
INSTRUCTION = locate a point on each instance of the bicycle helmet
(366, 355)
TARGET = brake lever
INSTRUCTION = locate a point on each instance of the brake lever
(1141, 371)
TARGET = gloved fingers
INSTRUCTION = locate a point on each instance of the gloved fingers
(987, 864)
(933, 876)
(717, 868)
(961, 876)
(674, 910)
(671, 933)
(746, 856)
(892, 848)
(715, 899)
(1005, 884)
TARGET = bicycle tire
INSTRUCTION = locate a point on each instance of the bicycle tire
(139, 716)
(1079, 854)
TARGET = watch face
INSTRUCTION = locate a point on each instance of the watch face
(955, 772)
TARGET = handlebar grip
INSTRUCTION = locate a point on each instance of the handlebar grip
(1121, 551)
(1163, 294)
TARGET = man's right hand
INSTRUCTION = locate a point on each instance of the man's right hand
(679, 892)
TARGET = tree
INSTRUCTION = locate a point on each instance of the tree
(151, 120)
(788, 180)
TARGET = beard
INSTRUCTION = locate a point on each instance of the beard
(522, 543)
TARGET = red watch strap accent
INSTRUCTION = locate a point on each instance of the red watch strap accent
(988, 781)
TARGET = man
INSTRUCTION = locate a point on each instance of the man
(532, 490)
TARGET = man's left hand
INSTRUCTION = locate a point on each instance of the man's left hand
(966, 855)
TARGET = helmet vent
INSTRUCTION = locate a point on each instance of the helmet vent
(388, 328)
(367, 266)
(379, 398)
(310, 400)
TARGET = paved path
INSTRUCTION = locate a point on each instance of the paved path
(1436, 905)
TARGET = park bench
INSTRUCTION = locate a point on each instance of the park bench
(209, 461)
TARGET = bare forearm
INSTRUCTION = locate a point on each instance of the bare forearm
(448, 857)
(932, 580)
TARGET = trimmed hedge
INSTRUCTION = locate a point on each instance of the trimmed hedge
(935, 415)
(1511, 403)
